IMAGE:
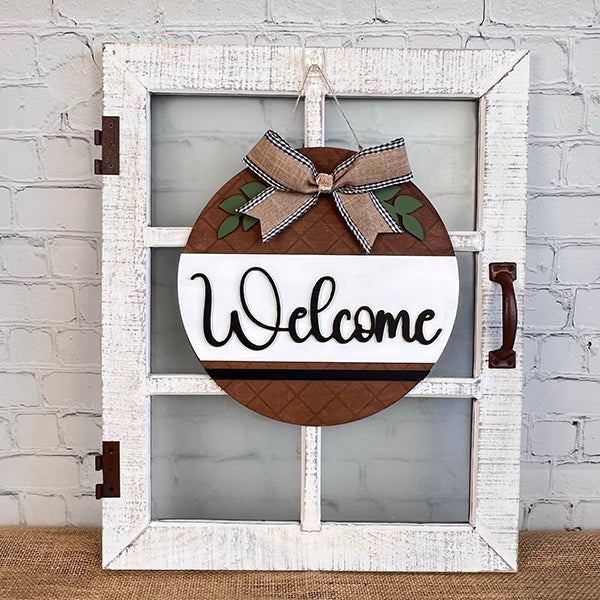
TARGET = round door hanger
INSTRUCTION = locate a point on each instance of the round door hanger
(318, 286)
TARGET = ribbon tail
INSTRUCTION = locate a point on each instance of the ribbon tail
(277, 209)
(365, 217)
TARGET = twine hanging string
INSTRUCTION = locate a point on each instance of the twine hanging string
(330, 89)
(295, 184)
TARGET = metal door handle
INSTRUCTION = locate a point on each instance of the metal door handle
(505, 274)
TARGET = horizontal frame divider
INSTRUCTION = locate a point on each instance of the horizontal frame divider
(203, 385)
(176, 237)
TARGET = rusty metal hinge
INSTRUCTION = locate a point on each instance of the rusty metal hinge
(108, 138)
(109, 463)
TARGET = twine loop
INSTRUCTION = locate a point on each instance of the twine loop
(330, 89)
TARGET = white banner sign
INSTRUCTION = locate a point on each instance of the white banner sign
(318, 308)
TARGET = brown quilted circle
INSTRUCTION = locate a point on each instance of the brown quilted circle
(320, 231)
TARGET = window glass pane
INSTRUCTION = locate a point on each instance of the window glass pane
(441, 140)
(198, 143)
(408, 463)
(457, 358)
(214, 459)
(170, 350)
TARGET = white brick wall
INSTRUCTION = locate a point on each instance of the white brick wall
(50, 102)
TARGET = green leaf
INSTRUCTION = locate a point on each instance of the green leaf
(387, 193)
(391, 210)
(248, 222)
(406, 204)
(413, 226)
(228, 225)
(232, 203)
(253, 188)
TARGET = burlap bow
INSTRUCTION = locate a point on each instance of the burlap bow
(295, 185)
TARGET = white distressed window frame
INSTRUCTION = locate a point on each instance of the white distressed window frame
(131, 540)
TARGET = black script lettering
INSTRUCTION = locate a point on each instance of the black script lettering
(315, 309)
(385, 319)
(380, 325)
(360, 333)
(337, 326)
(246, 308)
(234, 323)
(298, 313)
(210, 338)
(426, 315)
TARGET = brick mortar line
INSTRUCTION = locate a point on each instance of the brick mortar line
(52, 280)
(577, 377)
(575, 138)
(50, 185)
(45, 323)
(538, 417)
(489, 29)
(60, 412)
(560, 287)
(561, 417)
(51, 234)
(566, 331)
(50, 369)
(58, 183)
(54, 234)
(559, 243)
(42, 453)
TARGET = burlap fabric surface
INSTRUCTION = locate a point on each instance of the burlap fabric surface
(64, 564)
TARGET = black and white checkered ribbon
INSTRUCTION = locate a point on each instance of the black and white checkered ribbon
(295, 186)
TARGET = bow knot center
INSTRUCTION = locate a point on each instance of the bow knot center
(325, 182)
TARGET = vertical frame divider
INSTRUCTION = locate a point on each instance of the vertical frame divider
(478, 315)
(314, 126)
(310, 515)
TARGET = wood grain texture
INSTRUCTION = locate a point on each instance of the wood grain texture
(336, 547)
(502, 191)
(310, 449)
(125, 308)
(177, 237)
(351, 71)
(442, 387)
(130, 540)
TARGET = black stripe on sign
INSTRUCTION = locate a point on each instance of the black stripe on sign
(317, 374)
